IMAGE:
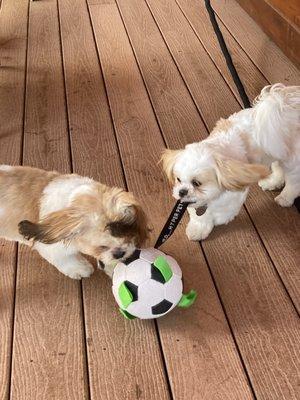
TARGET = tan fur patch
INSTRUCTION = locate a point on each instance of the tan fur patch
(236, 175)
(168, 160)
(20, 193)
(126, 216)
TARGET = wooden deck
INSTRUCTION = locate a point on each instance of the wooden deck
(100, 88)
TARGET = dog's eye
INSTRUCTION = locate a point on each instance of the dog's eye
(103, 248)
(178, 180)
(196, 183)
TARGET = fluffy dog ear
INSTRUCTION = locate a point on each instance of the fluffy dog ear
(168, 160)
(57, 226)
(126, 217)
(237, 175)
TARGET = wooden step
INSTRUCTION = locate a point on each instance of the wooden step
(280, 20)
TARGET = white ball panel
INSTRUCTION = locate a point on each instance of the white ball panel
(119, 274)
(138, 271)
(150, 254)
(140, 309)
(151, 292)
(173, 289)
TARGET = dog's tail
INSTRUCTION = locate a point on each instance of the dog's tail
(277, 118)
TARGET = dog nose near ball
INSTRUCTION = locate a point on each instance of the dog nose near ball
(183, 192)
(118, 253)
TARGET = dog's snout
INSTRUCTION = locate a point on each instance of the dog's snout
(183, 192)
(118, 253)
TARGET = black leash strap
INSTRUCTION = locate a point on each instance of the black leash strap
(225, 51)
(172, 222)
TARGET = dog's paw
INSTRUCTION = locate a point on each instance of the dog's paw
(284, 201)
(199, 230)
(80, 271)
(270, 184)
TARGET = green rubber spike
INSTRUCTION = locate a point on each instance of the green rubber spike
(163, 266)
(187, 299)
(125, 295)
(126, 314)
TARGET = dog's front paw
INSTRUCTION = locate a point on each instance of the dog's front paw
(80, 271)
(284, 201)
(270, 184)
(199, 230)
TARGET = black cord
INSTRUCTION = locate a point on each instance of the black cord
(225, 51)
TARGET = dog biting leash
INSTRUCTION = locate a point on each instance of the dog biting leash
(179, 208)
(235, 76)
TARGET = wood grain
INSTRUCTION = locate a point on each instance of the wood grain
(282, 31)
(124, 357)
(48, 357)
(196, 13)
(290, 9)
(205, 83)
(196, 340)
(13, 38)
(255, 301)
(278, 227)
(275, 66)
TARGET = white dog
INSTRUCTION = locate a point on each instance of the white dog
(62, 216)
(217, 172)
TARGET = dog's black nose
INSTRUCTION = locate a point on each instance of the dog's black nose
(183, 192)
(118, 253)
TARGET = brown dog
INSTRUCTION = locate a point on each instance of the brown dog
(62, 216)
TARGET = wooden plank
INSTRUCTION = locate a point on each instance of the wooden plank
(192, 60)
(193, 373)
(283, 32)
(290, 9)
(279, 228)
(13, 38)
(261, 314)
(275, 66)
(48, 340)
(124, 358)
(196, 13)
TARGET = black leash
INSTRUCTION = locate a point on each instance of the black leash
(172, 222)
(227, 56)
(235, 76)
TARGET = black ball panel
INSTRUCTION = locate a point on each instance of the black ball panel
(156, 275)
(134, 256)
(161, 307)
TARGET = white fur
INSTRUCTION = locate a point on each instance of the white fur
(56, 196)
(66, 259)
(60, 193)
(5, 167)
(275, 180)
(268, 134)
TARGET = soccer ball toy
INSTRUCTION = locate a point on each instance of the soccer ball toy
(149, 285)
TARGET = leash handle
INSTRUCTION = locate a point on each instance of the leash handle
(172, 222)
